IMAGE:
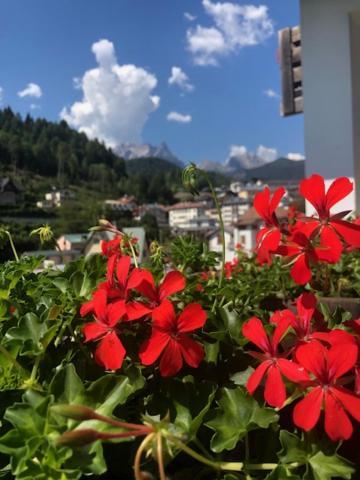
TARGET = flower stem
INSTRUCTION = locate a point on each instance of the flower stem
(137, 461)
(160, 458)
(235, 466)
(12, 245)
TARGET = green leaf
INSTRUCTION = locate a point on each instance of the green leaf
(110, 391)
(67, 386)
(28, 332)
(232, 323)
(241, 378)
(191, 402)
(326, 467)
(293, 448)
(237, 414)
(282, 473)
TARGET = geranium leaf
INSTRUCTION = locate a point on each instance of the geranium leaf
(327, 467)
(237, 414)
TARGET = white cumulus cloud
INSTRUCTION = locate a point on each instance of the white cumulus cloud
(235, 26)
(271, 93)
(267, 154)
(117, 99)
(31, 90)
(189, 16)
(295, 156)
(178, 77)
(178, 117)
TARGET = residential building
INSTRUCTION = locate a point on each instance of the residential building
(214, 240)
(124, 204)
(72, 241)
(160, 212)
(181, 214)
(55, 199)
(10, 192)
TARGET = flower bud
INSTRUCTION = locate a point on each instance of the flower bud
(78, 438)
(76, 412)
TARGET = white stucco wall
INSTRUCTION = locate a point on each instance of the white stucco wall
(331, 84)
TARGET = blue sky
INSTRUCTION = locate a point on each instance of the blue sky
(228, 54)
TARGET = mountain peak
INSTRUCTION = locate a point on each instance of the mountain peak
(131, 151)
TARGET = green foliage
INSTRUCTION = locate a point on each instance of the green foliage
(44, 364)
(237, 414)
(319, 465)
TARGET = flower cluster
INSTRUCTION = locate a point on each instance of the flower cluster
(307, 241)
(130, 294)
(302, 356)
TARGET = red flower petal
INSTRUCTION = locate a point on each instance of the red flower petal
(300, 271)
(306, 305)
(192, 317)
(350, 401)
(277, 196)
(140, 278)
(111, 268)
(171, 360)
(164, 316)
(122, 270)
(173, 282)
(313, 190)
(292, 371)
(261, 203)
(275, 393)
(110, 353)
(254, 331)
(146, 285)
(339, 189)
(330, 247)
(349, 231)
(115, 312)
(136, 310)
(151, 349)
(337, 423)
(192, 352)
(312, 357)
(341, 359)
(256, 377)
(99, 303)
(307, 412)
(93, 331)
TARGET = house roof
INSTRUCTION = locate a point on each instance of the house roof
(8, 182)
(186, 205)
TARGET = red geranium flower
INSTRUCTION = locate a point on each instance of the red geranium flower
(303, 253)
(313, 190)
(110, 352)
(126, 282)
(170, 338)
(301, 321)
(273, 365)
(328, 366)
(268, 238)
(173, 282)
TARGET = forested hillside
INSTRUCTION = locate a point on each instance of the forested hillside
(55, 150)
